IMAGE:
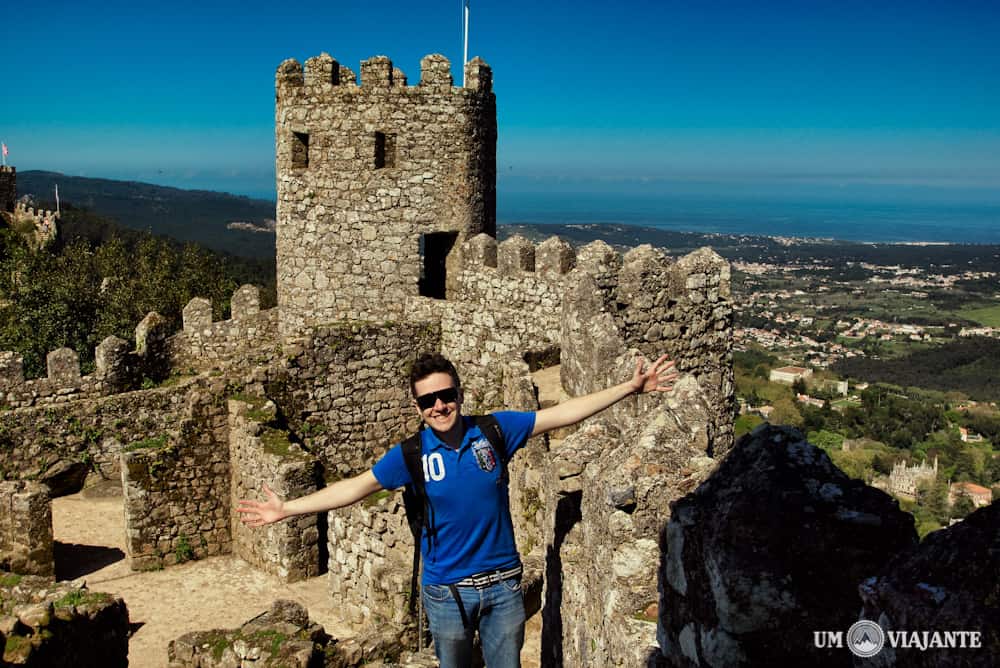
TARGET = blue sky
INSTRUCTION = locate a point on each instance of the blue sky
(691, 98)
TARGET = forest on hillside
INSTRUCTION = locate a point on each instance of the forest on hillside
(99, 279)
(967, 365)
(198, 216)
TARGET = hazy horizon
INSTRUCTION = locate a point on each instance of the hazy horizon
(894, 97)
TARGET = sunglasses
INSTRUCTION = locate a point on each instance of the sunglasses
(447, 396)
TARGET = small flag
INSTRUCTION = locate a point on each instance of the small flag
(5, 151)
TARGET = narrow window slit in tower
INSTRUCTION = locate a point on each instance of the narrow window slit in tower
(300, 150)
(385, 150)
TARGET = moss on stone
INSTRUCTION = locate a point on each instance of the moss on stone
(16, 649)
(269, 640)
(255, 401)
(275, 441)
(154, 443)
(78, 597)
(374, 499)
(10, 580)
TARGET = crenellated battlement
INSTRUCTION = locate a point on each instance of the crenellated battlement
(202, 345)
(323, 74)
(380, 165)
(42, 220)
(517, 256)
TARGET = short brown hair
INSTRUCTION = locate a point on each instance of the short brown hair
(429, 363)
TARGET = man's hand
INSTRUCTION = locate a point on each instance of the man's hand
(659, 377)
(256, 514)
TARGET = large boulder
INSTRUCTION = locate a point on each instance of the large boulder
(768, 550)
(949, 583)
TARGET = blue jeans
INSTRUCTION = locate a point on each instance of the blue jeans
(498, 614)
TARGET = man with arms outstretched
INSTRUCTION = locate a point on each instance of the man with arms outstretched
(472, 570)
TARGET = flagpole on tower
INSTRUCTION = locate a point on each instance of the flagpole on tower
(57, 199)
(465, 37)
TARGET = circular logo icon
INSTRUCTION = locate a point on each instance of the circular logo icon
(865, 638)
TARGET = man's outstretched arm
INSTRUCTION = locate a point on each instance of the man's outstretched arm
(659, 377)
(339, 494)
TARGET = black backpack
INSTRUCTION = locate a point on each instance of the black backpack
(419, 512)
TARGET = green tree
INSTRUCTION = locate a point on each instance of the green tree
(933, 498)
(827, 440)
(963, 506)
(785, 412)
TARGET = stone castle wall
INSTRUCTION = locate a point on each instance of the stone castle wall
(88, 431)
(248, 338)
(364, 171)
(616, 481)
(371, 557)
(259, 455)
(617, 306)
(508, 300)
(25, 528)
(176, 492)
(42, 220)
(344, 389)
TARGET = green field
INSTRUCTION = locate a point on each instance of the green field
(987, 317)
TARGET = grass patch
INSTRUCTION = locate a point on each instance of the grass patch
(81, 597)
(270, 640)
(171, 381)
(15, 646)
(373, 499)
(183, 550)
(276, 442)
(988, 316)
(153, 443)
(10, 580)
(255, 401)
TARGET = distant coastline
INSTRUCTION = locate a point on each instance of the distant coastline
(808, 218)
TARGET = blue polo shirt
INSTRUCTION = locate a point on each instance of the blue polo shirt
(471, 507)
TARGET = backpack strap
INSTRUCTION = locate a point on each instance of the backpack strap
(416, 505)
(490, 428)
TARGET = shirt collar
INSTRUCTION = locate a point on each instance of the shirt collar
(472, 432)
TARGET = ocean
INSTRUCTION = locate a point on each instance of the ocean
(899, 222)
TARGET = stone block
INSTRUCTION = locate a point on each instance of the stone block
(197, 316)
(63, 367)
(515, 255)
(771, 547)
(435, 72)
(322, 70)
(246, 302)
(555, 256)
(478, 75)
(376, 73)
(11, 369)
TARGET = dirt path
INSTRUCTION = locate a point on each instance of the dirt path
(219, 592)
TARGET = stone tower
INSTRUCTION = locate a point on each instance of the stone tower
(8, 188)
(379, 184)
